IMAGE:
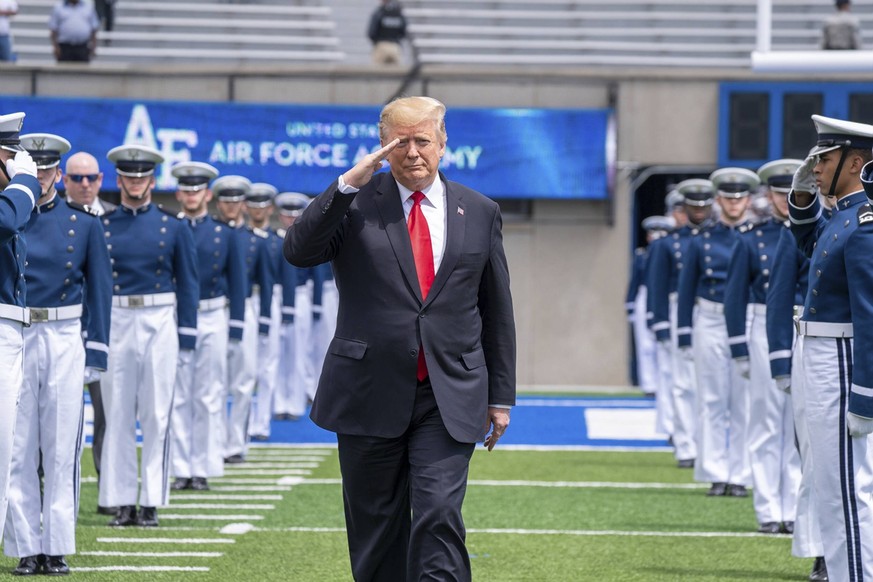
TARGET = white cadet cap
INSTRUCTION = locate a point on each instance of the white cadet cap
(778, 174)
(231, 188)
(658, 222)
(193, 176)
(292, 203)
(696, 192)
(734, 182)
(673, 199)
(46, 149)
(836, 133)
(10, 126)
(135, 161)
(261, 195)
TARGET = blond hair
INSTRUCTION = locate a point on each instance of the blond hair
(407, 111)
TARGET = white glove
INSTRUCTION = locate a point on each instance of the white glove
(783, 383)
(859, 426)
(686, 353)
(744, 367)
(22, 163)
(804, 179)
(91, 374)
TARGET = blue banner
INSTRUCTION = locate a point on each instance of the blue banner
(503, 153)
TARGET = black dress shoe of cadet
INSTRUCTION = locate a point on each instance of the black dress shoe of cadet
(770, 527)
(180, 483)
(788, 527)
(103, 510)
(737, 491)
(28, 566)
(819, 571)
(199, 484)
(685, 463)
(235, 460)
(55, 566)
(126, 516)
(260, 437)
(717, 489)
(148, 517)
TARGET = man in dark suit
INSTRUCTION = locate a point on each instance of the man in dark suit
(423, 360)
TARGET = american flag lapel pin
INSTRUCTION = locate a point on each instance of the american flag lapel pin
(460, 211)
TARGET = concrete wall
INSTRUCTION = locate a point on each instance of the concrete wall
(568, 260)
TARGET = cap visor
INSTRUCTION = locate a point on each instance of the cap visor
(12, 147)
(817, 150)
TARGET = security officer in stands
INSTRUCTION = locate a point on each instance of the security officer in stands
(200, 399)
(259, 207)
(66, 253)
(837, 339)
(82, 182)
(154, 325)
(722, 454)
(789, 280)
(231, 193)
(19, 190)
(773, 456)
(666, 261)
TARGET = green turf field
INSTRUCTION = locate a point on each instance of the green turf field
(531, 516)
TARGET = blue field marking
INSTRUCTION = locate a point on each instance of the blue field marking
(551, 421)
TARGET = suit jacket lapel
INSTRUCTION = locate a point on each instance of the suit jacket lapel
(391, 211)
(456, 227)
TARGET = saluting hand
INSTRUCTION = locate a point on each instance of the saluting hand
(363, 171)
(804, 179)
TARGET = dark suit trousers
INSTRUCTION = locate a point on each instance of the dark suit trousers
(403, 500)
(99, 423)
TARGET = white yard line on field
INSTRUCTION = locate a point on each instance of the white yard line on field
(557, 532)
(280, 459)
(555, 484)
(207, 517)
(166, 540)
(140, 569)
(245, 506)
(247, 467)
(223, 497)
(155, 554)
(230, 488)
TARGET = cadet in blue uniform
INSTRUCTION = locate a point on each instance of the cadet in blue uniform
(200, 400)
(67, 252)
(789, 279)
(837, 340)
(722, 455)
(19, 190)
(667, 257)
(259, 206)
(770, 434)
(231, 192)
(155, 285)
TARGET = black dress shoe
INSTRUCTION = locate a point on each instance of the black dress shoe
(770, 527)
(27, 566)
(199, 484)
(737, 491)
(788, 527)
(717, 489)
(259, 437)
(234, 460)
(180, 483)
(55, 566)
(148, 517)
(819, 571)
(282, 416)
(103, 510)
(685, 463)
(126, 516)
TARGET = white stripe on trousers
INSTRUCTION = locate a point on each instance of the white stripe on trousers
(843, 465)
(139, 383)
(268, 369)
(49, 420)
(773, 454)
(685, 424)
(241, 376)
(11, 379)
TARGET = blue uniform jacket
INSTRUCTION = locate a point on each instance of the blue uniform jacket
(637, 280)
(705, 273)
(221, 265)
(16, 203)
(788, 282)
(749, 270)
(841, 280)
(666, 259)
(67, 254)
(152, 252)
(259, 270)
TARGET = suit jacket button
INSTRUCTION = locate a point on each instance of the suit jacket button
(413, 353)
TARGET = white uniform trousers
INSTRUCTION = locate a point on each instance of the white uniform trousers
(843, 465)
(806, 542)
(50, 419)
(644, 341)
(330, 306)
(295, 371)
(268, 370)
(664, 413)
(684, 394)
(242, 373)
(772, 451)
(139, 384)
(723, 402)
(200, 401)
(11, 378)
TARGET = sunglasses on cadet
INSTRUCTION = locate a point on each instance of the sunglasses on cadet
(79, 177)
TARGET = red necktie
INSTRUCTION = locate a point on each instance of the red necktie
(422, 251)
